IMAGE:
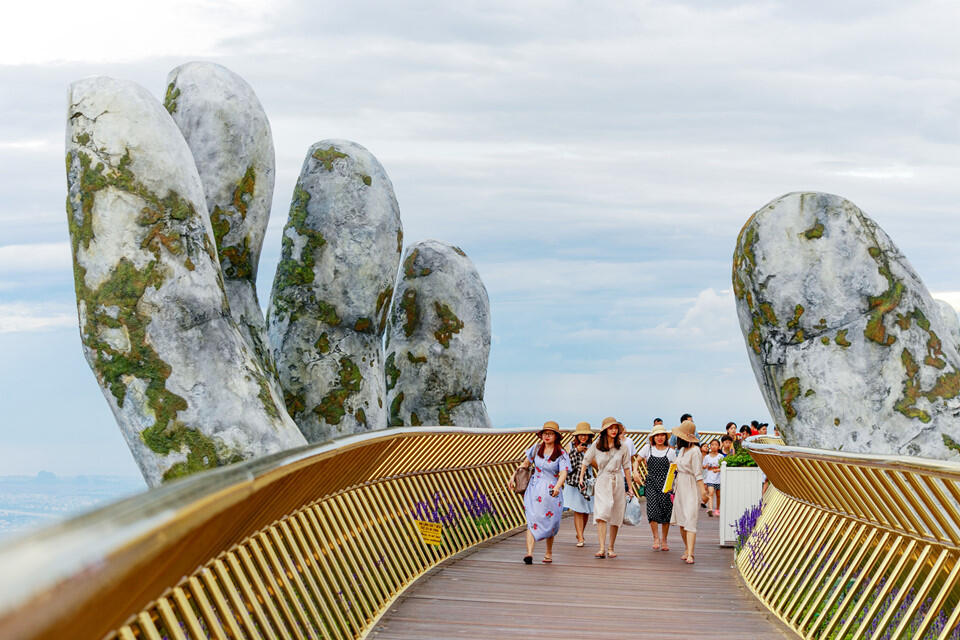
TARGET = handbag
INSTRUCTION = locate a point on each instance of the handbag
(521, 478)
(589, 484)
(633, 513)
(671, 474)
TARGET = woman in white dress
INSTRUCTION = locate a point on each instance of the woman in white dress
(612, 459)
(689, 490)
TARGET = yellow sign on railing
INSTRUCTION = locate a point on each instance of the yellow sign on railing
(430, 532)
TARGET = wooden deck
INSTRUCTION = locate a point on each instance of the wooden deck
(639, 594)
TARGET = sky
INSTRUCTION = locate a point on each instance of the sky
(595, 159)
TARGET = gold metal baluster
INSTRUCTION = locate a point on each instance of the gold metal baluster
(170, 619)
(930, 530)
(283, 577)
(349, 549)
(236, 598)
(409, 491)
(777, 523)
(226, 613)
(891, 584)
(944, 504)
(126, 633)
(280, 555)
(360, 539)
(877, 575)
(496, 498)
(936, 606)
(848, 567)
(864, 573)
(145, 622)
(384, 548)
(785, 547)
(289, 529)
(213, 624)
(882, 512)
(902, 516)
(840, 483)
(400, 525)
(270, 576)
(428, 486)
(932, 576)
(804, 547)
(946, 533)
(401, 496)
(326, 575)
(832, 540)
(188, 615)
(350, 593)
(248, 570)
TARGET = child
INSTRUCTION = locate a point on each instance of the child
(726, 446)
(711, 476)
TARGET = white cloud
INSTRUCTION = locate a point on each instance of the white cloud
(20, 317)
(558, 279)
(27, 258)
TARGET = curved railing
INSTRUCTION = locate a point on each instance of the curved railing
(856, 546)
(314, 542)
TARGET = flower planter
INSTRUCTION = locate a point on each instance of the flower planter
(740, 489)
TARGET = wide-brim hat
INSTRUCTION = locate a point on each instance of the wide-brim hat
(687, 431)
(610, 421)
(657, 430)
(550, 425)
(583, 429)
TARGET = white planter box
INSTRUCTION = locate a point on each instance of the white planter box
(740, 489)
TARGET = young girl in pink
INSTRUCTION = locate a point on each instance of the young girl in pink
(711, 476)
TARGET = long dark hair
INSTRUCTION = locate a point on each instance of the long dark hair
(604, 445)
(557, 449)
(683, 444)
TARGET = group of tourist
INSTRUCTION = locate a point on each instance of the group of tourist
(594, 476)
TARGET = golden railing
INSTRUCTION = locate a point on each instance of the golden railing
(316, 542)
(856, 546)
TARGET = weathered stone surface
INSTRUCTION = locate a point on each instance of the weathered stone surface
(950, 320)
(154, 319)
(438, 340)
(331, 294)
(848, 347)
(229, 136)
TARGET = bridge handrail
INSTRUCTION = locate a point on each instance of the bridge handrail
(852, 545)
(292, 544)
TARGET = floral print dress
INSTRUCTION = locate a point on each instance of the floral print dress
(542, 508)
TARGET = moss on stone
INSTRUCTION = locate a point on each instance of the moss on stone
(328, 156)
(363, 325)
(449, 324)
(83, 138)
(360, 416)
(950, 443)
(767, 313)
(416, 359)
(297, 271)
(411, 312)
(399, 240)
(836, 422)
(825, 340)
(391, 370)
(415, 419)
(459, 251)
(170, 99)
(841, 338)
(383, 308)
(265, 396)
(410, 270)
(449, 403)
(808, 393)
(753, 338)
(323, 343)
(331, 408)
(789, 391)
(883, 304)
(798, 336)
(395, 419)
(294, 402)
(367, 180)
(795, 321)
(235, 260)
(814, 232)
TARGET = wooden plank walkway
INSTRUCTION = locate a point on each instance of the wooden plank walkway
(639, 594)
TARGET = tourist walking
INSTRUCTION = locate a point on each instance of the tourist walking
(612, 459)
(658, 457)
(574, 498)
(688, 486)
(543, 499)
(711, 476)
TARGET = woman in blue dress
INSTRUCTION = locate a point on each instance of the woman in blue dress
(543, 499)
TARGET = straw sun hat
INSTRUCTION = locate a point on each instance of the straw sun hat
(550, 425)
(607, 422)
(687, 431)
(583, 429)
(657, 430)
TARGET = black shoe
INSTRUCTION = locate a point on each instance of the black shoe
(527, 559)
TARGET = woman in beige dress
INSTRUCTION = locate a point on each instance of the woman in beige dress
(688, 487)
(612, 460)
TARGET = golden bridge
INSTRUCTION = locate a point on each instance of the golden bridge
(411, 533)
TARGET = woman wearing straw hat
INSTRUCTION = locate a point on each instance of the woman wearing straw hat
(689, 490)
(612, 459)
(575, 498)
(543, 499)
(658, 457)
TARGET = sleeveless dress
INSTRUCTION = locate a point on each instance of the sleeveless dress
(686, 502)
(659, 505)
(542, 509)
(573, 498)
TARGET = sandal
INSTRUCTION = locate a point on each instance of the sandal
(580, 543)
(527, 559)
(689, 560)
(547, 559)
(611, 554)
(600, 555)
(665, 547)
(656, 546)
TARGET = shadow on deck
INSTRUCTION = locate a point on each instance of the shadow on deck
(639, 594)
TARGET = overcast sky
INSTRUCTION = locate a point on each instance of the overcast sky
(595, 159)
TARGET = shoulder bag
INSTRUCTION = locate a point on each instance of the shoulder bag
(521, 478)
